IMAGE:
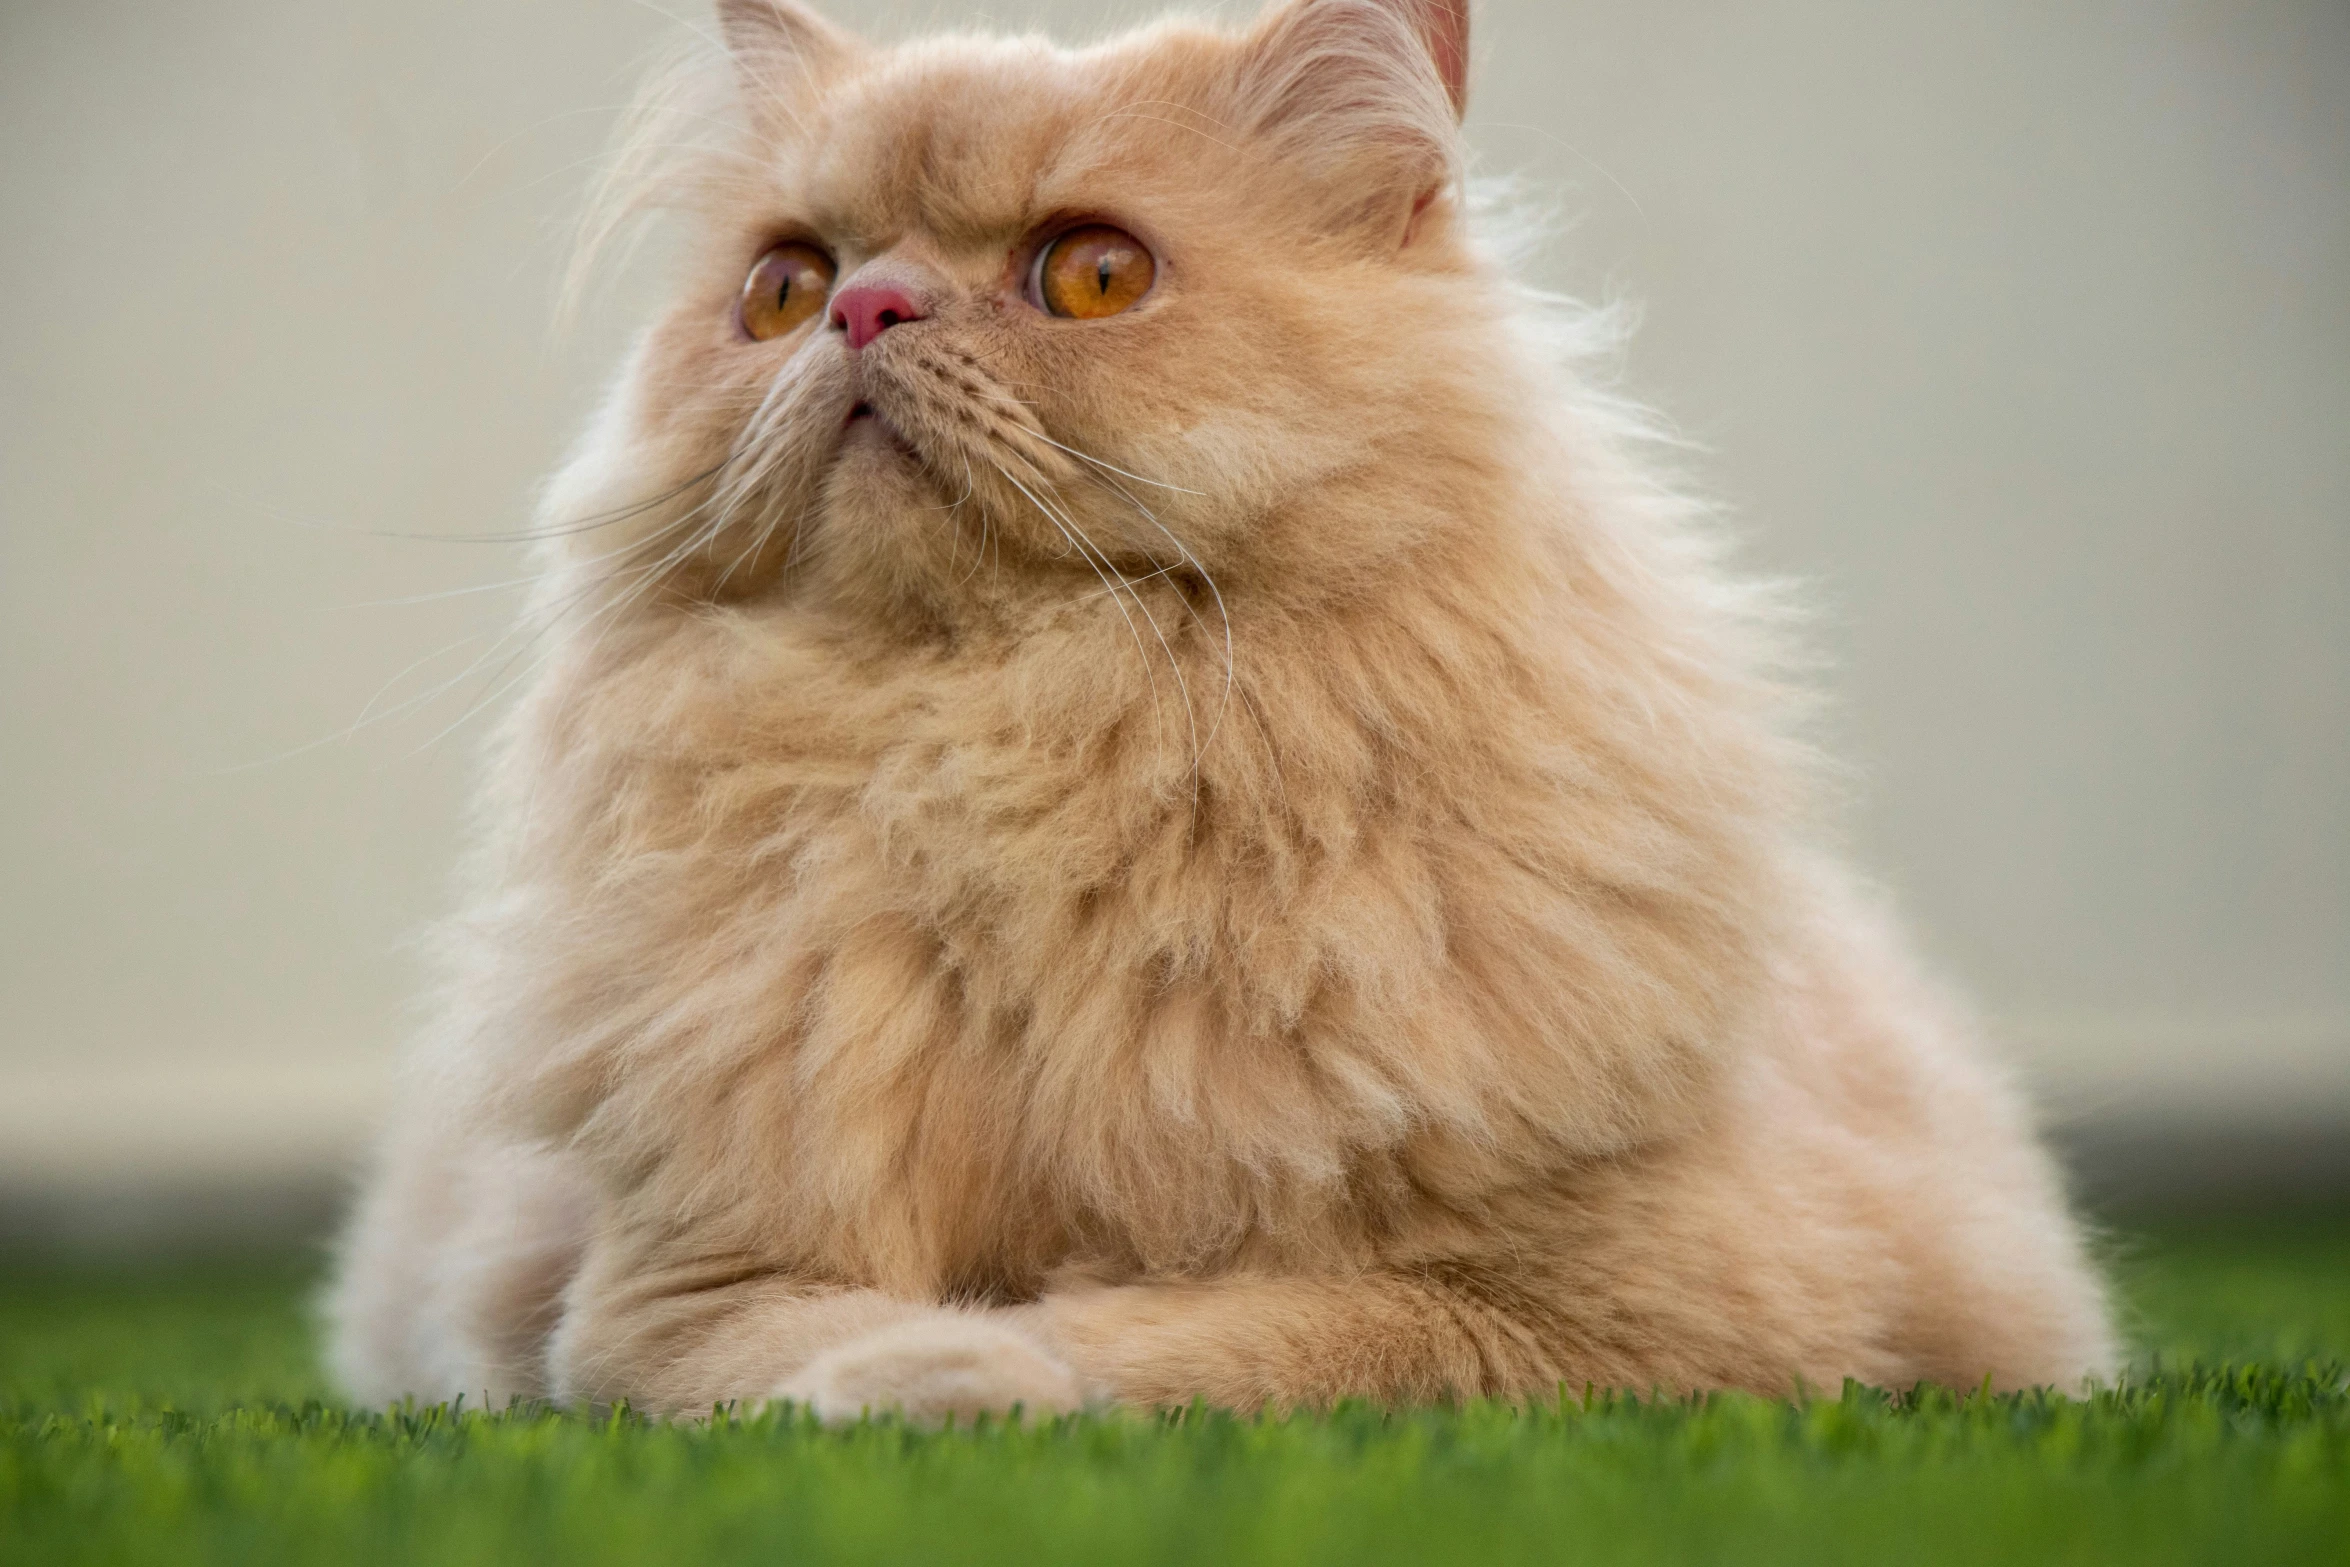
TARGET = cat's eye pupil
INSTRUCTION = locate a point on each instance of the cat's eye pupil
(1094, 271)
(786, 290)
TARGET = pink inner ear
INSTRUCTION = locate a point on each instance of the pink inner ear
(1411, 228)
(1445, 26)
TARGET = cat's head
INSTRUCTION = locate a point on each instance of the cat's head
(973, 311)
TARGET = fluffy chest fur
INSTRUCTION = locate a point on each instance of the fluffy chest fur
(941, 966)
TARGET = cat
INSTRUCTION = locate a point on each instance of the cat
(1137, 795)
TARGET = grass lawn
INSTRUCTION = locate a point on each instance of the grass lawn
(179, 1417)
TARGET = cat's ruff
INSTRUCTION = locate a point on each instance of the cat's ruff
(1219, 838)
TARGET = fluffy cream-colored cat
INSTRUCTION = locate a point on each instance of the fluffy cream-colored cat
(1137, 799)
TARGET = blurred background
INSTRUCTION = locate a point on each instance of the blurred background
(2021, 332)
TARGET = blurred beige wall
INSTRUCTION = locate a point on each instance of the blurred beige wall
(2021, 331)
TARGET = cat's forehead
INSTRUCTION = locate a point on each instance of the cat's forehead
(966, 139)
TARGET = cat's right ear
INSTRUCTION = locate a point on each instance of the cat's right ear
(1365, 97)
(784, 54)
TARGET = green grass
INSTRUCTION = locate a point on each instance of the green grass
(180, 1417)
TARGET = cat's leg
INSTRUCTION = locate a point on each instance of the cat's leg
(1242, 1343)
(451, 1270)
(1644, 1320)
(936, 1366)
(1711, 1264)
(1763, 1263)
(1251, 1343)
(680, 1335)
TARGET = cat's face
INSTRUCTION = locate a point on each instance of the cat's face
(976, 308)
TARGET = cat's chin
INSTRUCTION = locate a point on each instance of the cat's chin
(882, 517)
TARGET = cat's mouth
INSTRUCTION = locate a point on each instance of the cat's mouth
(870, 431)
(867, 425)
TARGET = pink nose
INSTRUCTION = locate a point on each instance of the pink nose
(866, 310)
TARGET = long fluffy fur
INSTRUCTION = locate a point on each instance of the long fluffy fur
(1252, 852)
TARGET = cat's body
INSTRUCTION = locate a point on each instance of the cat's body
(1236, 851)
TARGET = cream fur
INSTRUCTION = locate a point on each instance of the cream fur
(1252, 854)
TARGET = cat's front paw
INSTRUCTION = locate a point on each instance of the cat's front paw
(933, 1370)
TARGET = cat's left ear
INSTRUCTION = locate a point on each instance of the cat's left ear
(1366, 96)
(784, 54)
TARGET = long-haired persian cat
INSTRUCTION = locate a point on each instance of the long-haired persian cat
(1137, 799)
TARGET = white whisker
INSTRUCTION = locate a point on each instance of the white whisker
(1174, 665)
(1103, 572)
(1185, 553)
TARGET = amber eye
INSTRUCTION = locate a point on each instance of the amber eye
(786, 288)
(1093, 272)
